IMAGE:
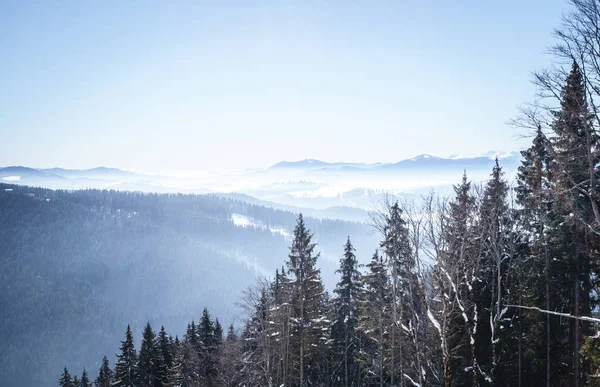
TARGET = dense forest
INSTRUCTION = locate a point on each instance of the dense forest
(497, 285)
(77, 266)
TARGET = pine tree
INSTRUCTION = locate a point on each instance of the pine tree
(76, 382)
(575, 150)
(309, 321)
(149, 360)
(192, 336)
(208, 347)
(105, 375)
(126, 368)
(218, 333)
(376, 321)
(536, 273)
(85, 380)
(165, 347)
(344, 332)
(65, 379)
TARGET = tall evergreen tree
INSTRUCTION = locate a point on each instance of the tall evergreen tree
(538, 275)
(376, 321)
(149, 360)
(85, 380)
(165, 347)
(309, 321)
(105, 375)
(575, 150)
(126, 368)
(344, 332)
(65, 379)
(208, 352)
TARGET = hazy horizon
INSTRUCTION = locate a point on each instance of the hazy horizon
(183, 172)
(200, 85)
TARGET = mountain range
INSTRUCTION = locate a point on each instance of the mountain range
(346, 189)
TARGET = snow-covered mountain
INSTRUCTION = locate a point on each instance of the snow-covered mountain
(309, 184)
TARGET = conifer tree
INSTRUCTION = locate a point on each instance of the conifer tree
(65, 379)
(208, 347)
(309, 322)
(537, 274)
(105, 375)
(376, 321)
(126, 368)
(76, 382)
(149, 360)
(85, 380)
(218, 333)
(344, 333)
(165, 347)
(575, 150)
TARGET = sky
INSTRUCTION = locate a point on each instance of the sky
(155, 86)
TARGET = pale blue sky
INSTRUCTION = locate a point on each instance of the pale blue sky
(191, 85)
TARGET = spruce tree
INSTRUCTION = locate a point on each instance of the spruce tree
(149, 360)
(309, 321)
(536, 272)
(344, 332)
(126, 368)
(376, 321)
(208, 347)
(575, 150)
(85, 380)
(65, 379)
(165, 347)
(105, 375)
(76, 382)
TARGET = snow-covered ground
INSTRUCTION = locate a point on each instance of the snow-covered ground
(244, 221)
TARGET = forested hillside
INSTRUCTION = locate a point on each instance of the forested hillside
(79, 265)
(494, 286)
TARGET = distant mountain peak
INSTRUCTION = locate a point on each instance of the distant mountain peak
(424, 156)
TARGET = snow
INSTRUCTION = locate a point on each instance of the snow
(412, 381)
(241, 220)
(12, 178)
(434, 321)
(245, 221)
(7, 189)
